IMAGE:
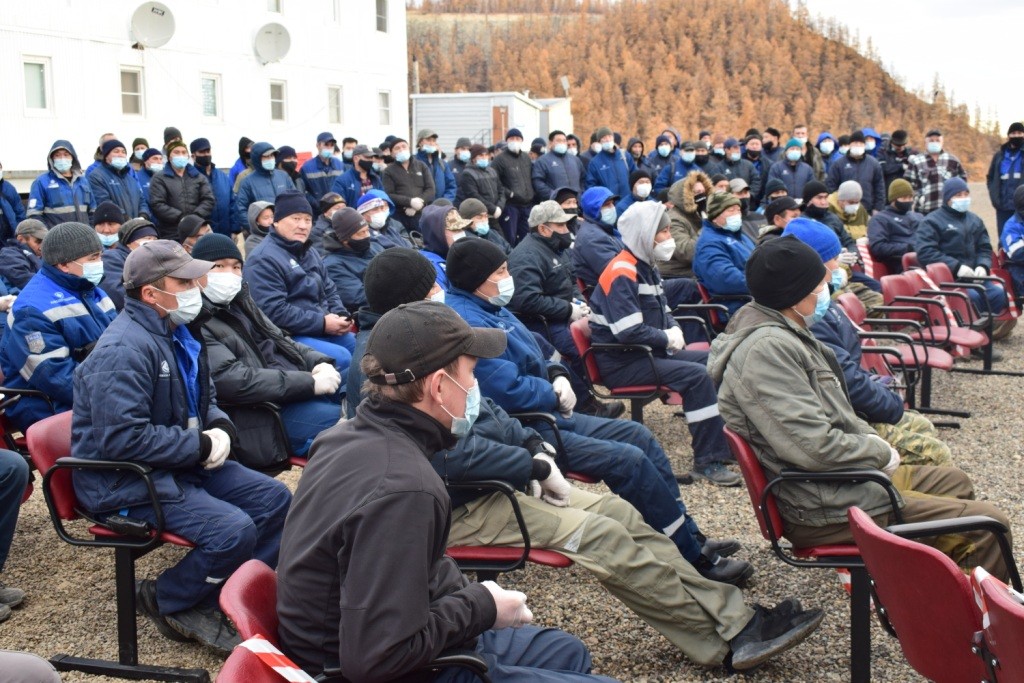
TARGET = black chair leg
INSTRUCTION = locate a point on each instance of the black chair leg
(636, 411)
(860, 625)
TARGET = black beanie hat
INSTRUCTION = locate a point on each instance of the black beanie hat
(108, 212)
(214, 246)
(812, 190)
(782, 271)
(1016, 127)
(243, 142)
(347, 222)
(637, 175)
(471, 261)
(397, 276)
(171, 133)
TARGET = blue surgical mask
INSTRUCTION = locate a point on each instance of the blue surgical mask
(961, 204)
(560, 148)
(827, 147)
(326, 153)
(607, 146)
(268, 164)
(428, 149)
(483, 163)
(403, 156)
(179, 162)
(379, 166)
(838, 279)
(794, 154)
(933, 147)
(464, 156)
(62, 165)
(506, 288)
(461, 425)
(108, 240)
(734, 156)
(119, 162)
(733, 223)
(664, 150)
(92, 270)
(347, 155)
(573, 151)
(609, 215)
(481, 228)
(688, 157)
(138, 154)
(820, 308)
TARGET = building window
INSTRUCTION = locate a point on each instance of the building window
(384, 104)
(131, 91)
(210, 85)
(335, 110)
(37, 83)
(382, 16)
(274, 5)
(277, 103)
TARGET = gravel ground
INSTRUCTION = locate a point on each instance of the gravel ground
(70, 608)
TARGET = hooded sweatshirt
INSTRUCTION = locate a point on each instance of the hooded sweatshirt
(686, 220)
(256, 233)
(54, 199)
(261, 184)
(435, 246)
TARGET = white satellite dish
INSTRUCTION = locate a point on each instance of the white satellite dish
(272, 43)
(152, 25)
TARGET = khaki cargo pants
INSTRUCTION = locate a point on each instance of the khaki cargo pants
(638, 565)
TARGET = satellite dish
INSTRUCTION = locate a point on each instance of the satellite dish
(152, 25)
(272, 43)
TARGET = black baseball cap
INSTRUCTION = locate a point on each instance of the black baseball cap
(422, 337)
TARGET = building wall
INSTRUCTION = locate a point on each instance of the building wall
(333, 43)
(471, 114)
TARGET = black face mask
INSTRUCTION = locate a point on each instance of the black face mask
(573, 223)
(289, 166)
(815, 212)
(388, 158)
(203, 160)
(701, 200)
(360, 246)
(745, 204)
(366, 165)
(768, 146)
(559, 241)
(753, 154)
(1015, 143)
(700, 159)
(903, 207)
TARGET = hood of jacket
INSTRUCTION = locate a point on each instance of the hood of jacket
(432, 229)
(633, 141)
(825, 136)
(593, 199)
(638, 226)
(376, 194)
(679, 136)
(256, 157)
(76, 167)
(872, 133)
(680, 193)
(252, 213)
(742, 324)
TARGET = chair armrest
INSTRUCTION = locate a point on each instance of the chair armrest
(622, 348)
(10, 395)
(899, 322)
(954, 292)
(959, 525)
(696, 319)
(506, 490)
(846, 476)
(152, 531)
(889, 353)
(546, 418)
(730, 297)
(467, 659)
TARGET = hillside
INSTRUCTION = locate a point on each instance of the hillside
(640, 66)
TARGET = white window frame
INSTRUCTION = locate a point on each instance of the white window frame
(383, 17)
(138, 70)
(336, 96)
(283, 100)
(217, 100)
(47, 109)
(384, 112)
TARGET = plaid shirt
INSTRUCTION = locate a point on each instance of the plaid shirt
(926, 176)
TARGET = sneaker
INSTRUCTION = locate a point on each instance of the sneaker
(718, 474)
(725, 547)
(10, 596)
(1003, 328)
(208, 625)
(5, 613)
(610, 410)
(145, 604)
(722, 570)
(770, 632)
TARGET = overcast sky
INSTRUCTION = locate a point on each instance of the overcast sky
(974, 46)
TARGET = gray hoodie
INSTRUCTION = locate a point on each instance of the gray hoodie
(256, 233)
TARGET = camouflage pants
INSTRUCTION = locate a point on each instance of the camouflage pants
(917, 440)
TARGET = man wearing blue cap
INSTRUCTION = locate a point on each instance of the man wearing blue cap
(318, 173)
(220, 184)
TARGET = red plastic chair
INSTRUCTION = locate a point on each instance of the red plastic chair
(924, 596)
(1002, 641)
(930, 311)
(873, 268)
(49, 444)
(244, 666)
(909, 261)
(637, 395)
(832, 556)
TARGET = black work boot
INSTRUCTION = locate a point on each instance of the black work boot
(145, 604)
(770, 632)
(723, 570)
(208, 625)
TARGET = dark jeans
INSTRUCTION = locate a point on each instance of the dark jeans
(995, 295)
(338, 346)
(304, 420)
(232, 514)
(515, 222)
(683, 290)
(14, 477)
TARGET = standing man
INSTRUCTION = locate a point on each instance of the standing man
(864, 169)
(461, 159)
(1005, 174)
(320, 171)
(430, 154)
(811, 155)
(895, 156)
(557, 168)
(409, 183)
(177, 191)
(145, 395)
(113, 180)
(929, 171)
(62, 193)
(363, 176)
(515, 173)
(735, 166)
(264, 182)
(220, 185)
(609, 167)
(791, 170)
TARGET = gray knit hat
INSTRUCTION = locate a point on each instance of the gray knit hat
(70, 241)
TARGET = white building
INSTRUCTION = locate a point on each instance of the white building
(274, 70)
(485, 117)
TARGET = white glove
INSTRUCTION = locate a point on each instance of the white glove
(675, 340)
(579, 310)
(894, 457)
(409, 211)
(847, 258)
(555, 489)
(497, 212)
(510, 605)
(980, 271)
(965, 271)
(416, 203)
(326, 381)
(7, 300)
(566, 397)
(219, 450)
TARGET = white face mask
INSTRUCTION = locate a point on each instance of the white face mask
(190, 302)
(514, 146)
(663, 250)
(643, 190)
(221, 288)
(826, 147)
(851, 209)
(379, 220)
(439, 297)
